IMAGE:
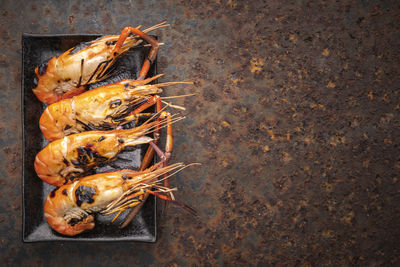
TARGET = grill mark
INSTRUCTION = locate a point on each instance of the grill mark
(128, 110)
(80, 78)
(74, 221)
(95, 71)
(84, 194)
(103, 71)
(86, 126)
(53, 192)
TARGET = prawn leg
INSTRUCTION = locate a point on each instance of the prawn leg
(152, 54)
(148, 157)
(150, 154)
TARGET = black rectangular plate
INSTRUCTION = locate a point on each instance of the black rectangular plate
(37, 49)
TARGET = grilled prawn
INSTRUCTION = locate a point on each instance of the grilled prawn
(103, 108)
(69, 209)
(68, 74)
(65, 159)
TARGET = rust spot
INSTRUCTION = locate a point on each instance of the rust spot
(71, 19)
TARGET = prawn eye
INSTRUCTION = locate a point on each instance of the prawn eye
(115, 103)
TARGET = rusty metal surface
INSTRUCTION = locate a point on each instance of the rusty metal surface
(296, 123)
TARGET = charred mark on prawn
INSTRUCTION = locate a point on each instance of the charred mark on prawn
(43, 67)
(101, 139)
(76, 162)
(71, 177)
(53, 193)
(88, 127)
(101, 70)
(84, 194)
(129, 148)
(95, 71)
(105, 126)
(64, 192)
(124, 113)
(120, 118)
(87, 155)
(80, 78)
(74, 221)
(105, 70)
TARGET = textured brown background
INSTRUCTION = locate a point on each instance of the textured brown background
(296, 123)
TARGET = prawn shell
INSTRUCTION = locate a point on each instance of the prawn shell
(94, 109)
(45, 79)
(56, 206)
(100, 188)
(57, 119)
(81, 152)
(79, 66)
